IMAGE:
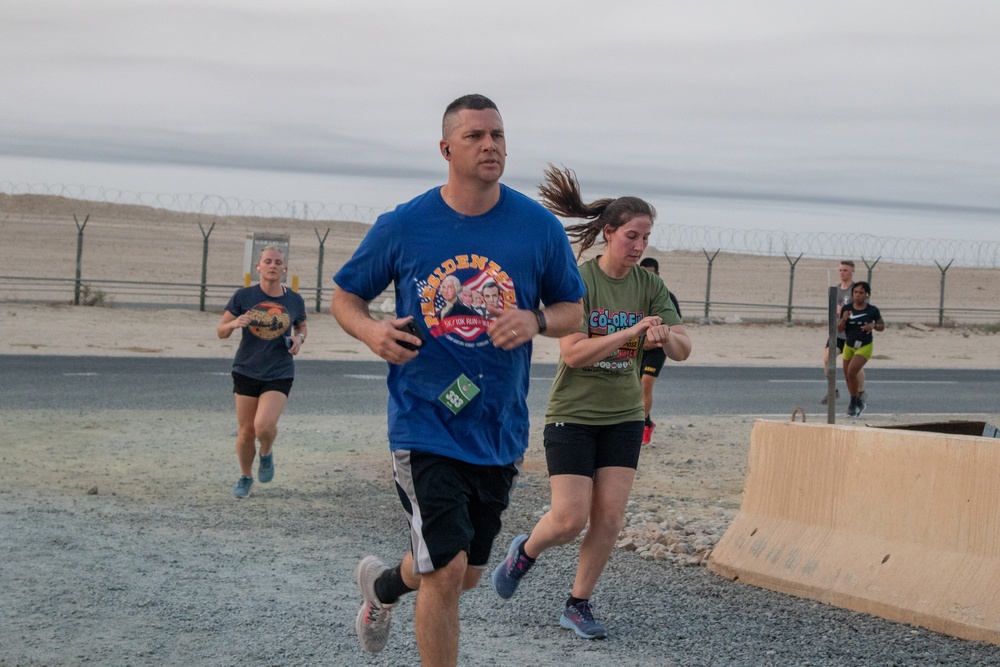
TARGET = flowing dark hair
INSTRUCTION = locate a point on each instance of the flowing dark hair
(560, 193)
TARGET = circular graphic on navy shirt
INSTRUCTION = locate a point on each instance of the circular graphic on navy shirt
(268, 320)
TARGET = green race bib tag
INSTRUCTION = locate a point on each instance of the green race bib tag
(459, 394)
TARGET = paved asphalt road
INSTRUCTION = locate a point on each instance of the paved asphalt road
(357, 387)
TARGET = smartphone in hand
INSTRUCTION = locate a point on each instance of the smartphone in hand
(412, 329)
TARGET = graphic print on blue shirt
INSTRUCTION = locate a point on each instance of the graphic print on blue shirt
(454, 298)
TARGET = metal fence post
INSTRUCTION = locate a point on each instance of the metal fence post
(791, 282)
(204, 262)
(941, 307)
(319, 267)
(870, 267)
(708, 282)
(831, 360)
(79, 257)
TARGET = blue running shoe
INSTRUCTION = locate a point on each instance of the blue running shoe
(580, 619)
(242, 488)
(509, 573)
(265, 471)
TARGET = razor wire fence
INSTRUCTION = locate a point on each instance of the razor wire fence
(98, 246)
(161, 205)
(829, 245)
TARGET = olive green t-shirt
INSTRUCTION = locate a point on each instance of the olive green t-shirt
(610, 391)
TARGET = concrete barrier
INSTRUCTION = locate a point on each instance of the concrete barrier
(901, 524)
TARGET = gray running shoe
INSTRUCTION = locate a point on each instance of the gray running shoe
(374, 618)
(852, 409)
(507, 574)
(265, 471)
(860, 407)
(242, 488)
(580, 619)
(826, 398)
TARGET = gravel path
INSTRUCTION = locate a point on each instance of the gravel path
(120, 545)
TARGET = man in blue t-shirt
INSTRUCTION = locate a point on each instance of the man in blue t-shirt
(458, 417)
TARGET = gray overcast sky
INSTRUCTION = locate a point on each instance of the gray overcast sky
(894, 102)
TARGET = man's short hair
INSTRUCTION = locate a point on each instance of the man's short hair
(650, 263)
(473, 102)
(848, 262)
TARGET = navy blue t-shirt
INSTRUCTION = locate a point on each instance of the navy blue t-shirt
(263, 354)
(855, 319)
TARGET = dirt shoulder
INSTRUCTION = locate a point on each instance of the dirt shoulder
(81, 330)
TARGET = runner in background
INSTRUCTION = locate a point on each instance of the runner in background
(264, 367)
(844, 297)
(858, 320)
(652, 362)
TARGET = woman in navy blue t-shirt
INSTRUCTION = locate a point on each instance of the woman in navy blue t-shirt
(263, 369)
(858, 320)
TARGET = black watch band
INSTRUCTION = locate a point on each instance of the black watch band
(542, 326)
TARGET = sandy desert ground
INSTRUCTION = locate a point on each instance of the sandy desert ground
(121, 544)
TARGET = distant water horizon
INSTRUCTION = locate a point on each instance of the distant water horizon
(373, 194)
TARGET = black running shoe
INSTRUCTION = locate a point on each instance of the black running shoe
(861, 405)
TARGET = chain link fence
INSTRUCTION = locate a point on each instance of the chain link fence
(97, 246)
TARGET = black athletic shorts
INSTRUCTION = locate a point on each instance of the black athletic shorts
(580, 449)
(452, 506)
(653, 360)
(840, 344)
(248, 386)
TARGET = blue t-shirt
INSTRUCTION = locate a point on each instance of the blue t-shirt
(517, 254)
(263, 354)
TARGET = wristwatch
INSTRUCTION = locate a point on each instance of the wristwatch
(540, 316)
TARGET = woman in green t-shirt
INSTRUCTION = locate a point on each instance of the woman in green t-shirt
(595, 418)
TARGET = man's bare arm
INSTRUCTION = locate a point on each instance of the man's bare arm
(514, 327)
(381, 336)
(563, 318)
